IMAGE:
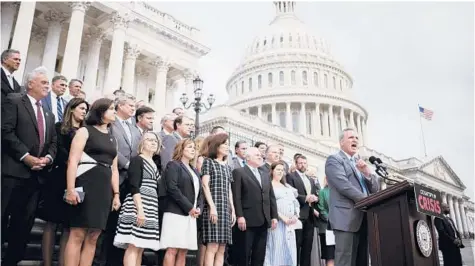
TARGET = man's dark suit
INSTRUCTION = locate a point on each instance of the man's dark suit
(6, 87)
(20, 185)
(304, 236)
(46, 101)
(447, 235)
(258, 206)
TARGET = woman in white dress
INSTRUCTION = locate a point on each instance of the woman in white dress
(182, 205)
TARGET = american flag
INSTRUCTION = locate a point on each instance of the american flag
(426, 113)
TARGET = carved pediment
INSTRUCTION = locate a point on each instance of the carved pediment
(441, 170)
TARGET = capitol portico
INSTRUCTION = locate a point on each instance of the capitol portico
(108, 45)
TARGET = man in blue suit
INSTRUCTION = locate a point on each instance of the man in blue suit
(55, 101)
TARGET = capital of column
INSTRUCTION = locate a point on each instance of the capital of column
(54, 16)
(79, 6)
(120, 21)
(132, 51)
(161, 64)
(38, 33)
(142, 72)
(10, 5)
(95, 33)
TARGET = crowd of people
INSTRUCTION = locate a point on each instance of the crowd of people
(117, 184)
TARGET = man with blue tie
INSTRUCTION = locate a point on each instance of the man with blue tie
(350, 179)
(240, 149)
(54, 101)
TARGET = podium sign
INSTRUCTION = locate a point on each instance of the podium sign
(428, 201)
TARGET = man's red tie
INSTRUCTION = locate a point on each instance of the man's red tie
(41, 125)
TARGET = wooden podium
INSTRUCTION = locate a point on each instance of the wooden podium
(399, 235)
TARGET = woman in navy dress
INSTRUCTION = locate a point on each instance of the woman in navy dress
(92, 169)
(52, 207)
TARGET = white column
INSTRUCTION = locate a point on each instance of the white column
(8, 17)
(142, 91)
(288, 117)
(274, 114)
(189, 89)
(159, 103)
(342, 118)
(170, 96)
(358, 124)
(325, 123)
(352, 120)
(96, 36)
(22, 34)
(457, 215)
(316, 121)
(114, 72)
(131, 53)
(55, 20)
(444, 197)
(72, 50)
(365, 133)
(303, 119)
(331, 117)
(463, 218)
(451, 206)
(259, 111)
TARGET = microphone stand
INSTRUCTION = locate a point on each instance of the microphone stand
(384, 175)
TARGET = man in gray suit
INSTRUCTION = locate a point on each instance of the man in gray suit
(350, 179)
(128, 138)
(240, 148)
(182, 127)
(167, 125)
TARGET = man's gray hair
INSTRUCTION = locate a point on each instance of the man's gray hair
(121, 99)
(167, 117)
(34, 73)
(342, 133)
(8, 53)
(59, 77)
(75, 80)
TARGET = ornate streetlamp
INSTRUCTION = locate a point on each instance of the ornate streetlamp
(197, 103)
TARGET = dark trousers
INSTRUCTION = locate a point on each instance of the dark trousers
(160, 253)
(304, 238)
(106, 253)
(351, 249)
(452, 256)
(19, 203)
(250, 246)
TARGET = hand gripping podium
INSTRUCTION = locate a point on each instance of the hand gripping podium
(400, 234)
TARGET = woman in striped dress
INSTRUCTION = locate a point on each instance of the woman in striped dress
(137, 228)
(281, 248)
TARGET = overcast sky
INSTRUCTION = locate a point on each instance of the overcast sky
(399, 55)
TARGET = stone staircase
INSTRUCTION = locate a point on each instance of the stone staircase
(468, 253)
(33, 255)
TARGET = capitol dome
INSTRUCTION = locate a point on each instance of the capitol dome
(288, 77)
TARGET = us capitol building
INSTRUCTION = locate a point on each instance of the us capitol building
(287, 89)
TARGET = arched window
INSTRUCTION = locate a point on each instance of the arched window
(304, 78)
(250, 84)
(273, 41)
(292, 77)
(269, 117)
(257, 45)
(259, 81)
(315, 79)
(295, 121)
(236, 89)
(242, 87)
(325, 80)
(334, 83)
(269, 80)
(308, 117)
(281, 41)
(341, 84)
(265, 42)
(281, 78)
(282, 120)
(321, 123)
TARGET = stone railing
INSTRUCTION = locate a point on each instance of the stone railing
(166, 20)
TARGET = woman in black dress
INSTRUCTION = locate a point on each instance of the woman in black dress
(52, 208)
(92, 172)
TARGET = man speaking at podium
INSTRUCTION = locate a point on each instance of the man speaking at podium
(350, 179)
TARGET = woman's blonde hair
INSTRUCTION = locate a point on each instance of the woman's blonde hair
(180, 147)
(142, 141)
(205, 146)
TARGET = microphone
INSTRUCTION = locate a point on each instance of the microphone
(380, 169)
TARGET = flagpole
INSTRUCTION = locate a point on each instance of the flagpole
(422, 131)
